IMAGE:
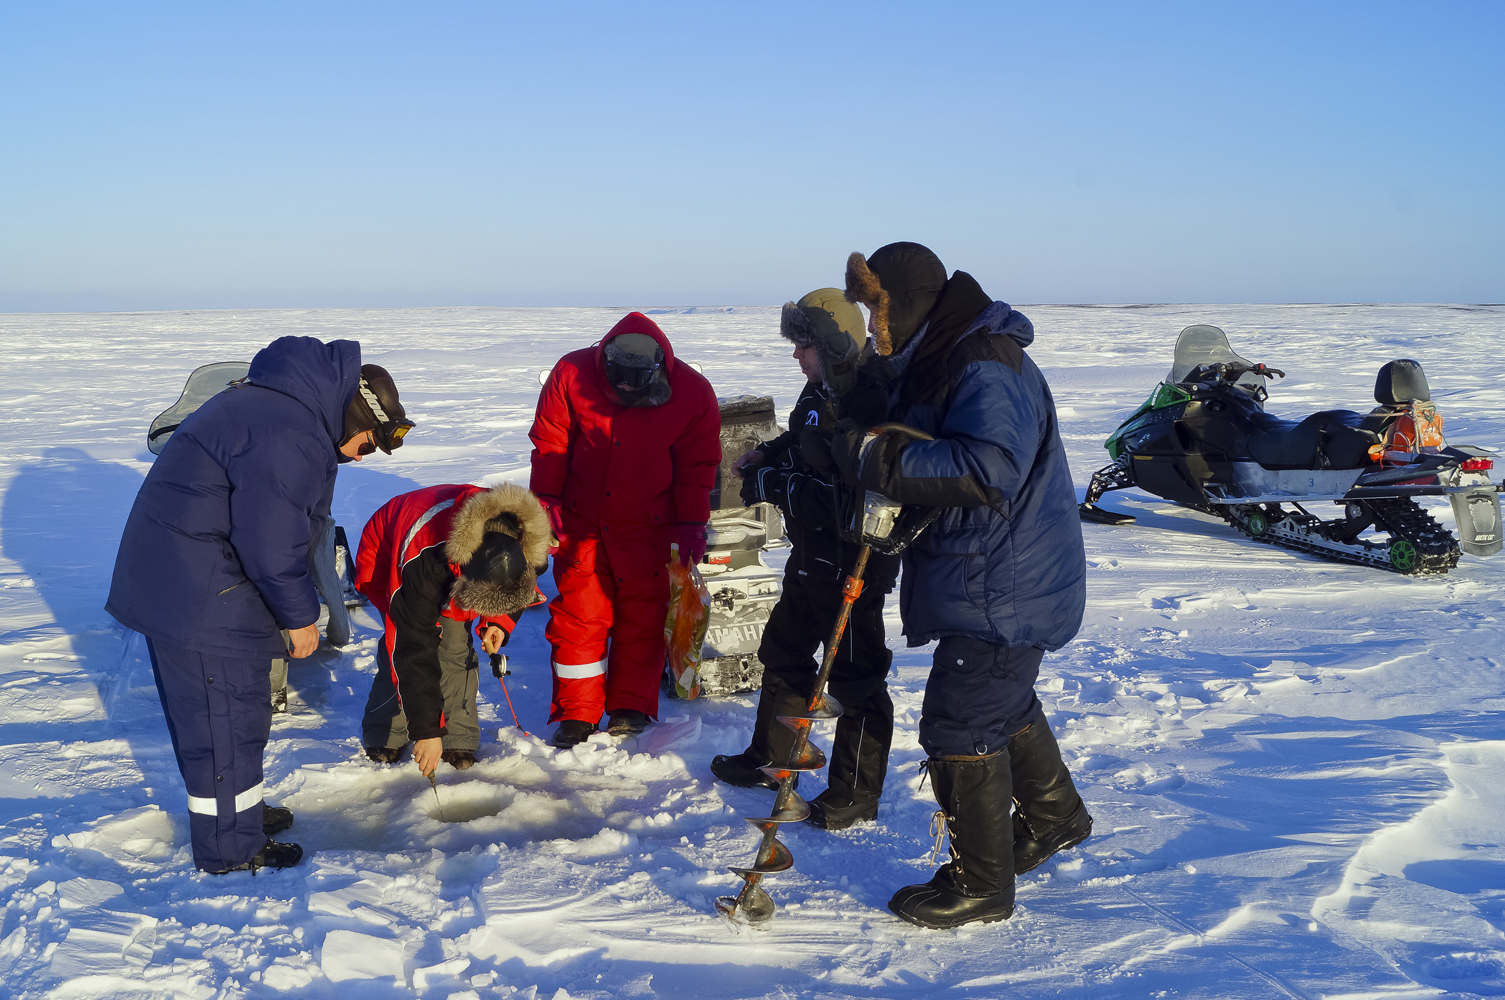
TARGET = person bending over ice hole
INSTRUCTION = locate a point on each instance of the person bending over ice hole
(998, 578)
(626, 442)
(213, 569)
(432, 561)
(825, 330)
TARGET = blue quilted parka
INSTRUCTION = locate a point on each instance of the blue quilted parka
(214, 554)
(1004, 561)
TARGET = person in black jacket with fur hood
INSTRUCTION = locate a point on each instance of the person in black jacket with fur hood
(432, 561)
(822, 326)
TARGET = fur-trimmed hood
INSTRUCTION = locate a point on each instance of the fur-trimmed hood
(899, 284)
(515, 512)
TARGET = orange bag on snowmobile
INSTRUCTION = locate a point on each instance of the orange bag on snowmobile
(685, 626)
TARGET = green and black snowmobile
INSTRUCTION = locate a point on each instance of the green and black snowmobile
(1203, 440)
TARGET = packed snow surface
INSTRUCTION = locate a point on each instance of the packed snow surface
(1294, 765)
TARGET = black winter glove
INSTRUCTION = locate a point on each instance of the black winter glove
(766, 484)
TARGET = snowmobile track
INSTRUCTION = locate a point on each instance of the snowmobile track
(1433, 550)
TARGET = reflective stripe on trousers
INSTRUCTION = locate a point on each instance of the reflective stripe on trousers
(243, 801)
(219, 714)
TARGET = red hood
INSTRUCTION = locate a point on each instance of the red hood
(636, 322)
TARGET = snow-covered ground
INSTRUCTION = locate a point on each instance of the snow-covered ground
(1294, 765)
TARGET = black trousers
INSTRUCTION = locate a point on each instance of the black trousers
(793, 640)
(977, 694)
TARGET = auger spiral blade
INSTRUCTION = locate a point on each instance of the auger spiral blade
(752, 903)
(795, 810)
(828, 709)
(812, 758)
(779, 860)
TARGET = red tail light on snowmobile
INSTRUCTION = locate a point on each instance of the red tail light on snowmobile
(1478, 465)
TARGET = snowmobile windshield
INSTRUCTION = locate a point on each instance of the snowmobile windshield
(205, 382)
(1208, 345)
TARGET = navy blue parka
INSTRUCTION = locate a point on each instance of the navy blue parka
(214, 554)
(1004, 562)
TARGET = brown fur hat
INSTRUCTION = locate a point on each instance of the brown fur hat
(899, 284)
(515, 512)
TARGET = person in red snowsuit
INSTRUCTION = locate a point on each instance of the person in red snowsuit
(432, 561)
(626, 443)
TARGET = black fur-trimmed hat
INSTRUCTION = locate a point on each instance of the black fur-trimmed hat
(500, 542)
(900, 284)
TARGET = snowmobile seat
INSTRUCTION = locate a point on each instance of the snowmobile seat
(1400, 382)
(1329, 439)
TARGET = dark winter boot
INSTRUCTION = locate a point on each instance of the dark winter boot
(384, 755)
(977, 886)
(627, 722)
(859, 756)
(573, 731)
(275, 819)
(771, 739)
(743, 771)
(831, 811)
(1049, 815)
(460, 760)
(271, 855)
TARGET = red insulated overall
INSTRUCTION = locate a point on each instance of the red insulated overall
(626, 478)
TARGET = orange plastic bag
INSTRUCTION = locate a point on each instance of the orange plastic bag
(685, 626)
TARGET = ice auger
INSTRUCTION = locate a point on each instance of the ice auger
(878, 523)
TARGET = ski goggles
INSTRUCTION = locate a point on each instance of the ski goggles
(387, 436)
(632, 378)
(390, 435)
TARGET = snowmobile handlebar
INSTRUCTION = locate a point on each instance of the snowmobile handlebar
(1230, 371)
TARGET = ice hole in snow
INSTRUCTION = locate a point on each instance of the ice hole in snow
(467, 803)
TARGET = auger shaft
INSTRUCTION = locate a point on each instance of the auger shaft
(768, 847)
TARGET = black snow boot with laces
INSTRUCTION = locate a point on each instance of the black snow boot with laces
(977, 886)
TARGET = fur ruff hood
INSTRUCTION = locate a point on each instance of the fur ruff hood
(795, 326)
(915, 279)
(864, 287)
(515, 512)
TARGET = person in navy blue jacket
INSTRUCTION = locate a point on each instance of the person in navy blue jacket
(999, 578)
(213, 569)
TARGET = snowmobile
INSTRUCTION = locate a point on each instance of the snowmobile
(1204, 440)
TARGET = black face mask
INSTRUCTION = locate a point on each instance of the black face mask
(631, 378)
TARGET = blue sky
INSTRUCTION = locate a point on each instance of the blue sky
(234, 155)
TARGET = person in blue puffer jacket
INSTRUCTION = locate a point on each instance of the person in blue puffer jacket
(999, 578)
(213, 569)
